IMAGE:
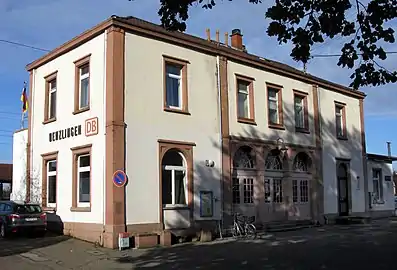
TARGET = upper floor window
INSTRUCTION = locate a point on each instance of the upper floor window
(245, 99)
(50, 98)
(340, 120)
(175, 85)
(82, 85)
(275, 106)
(301, 111)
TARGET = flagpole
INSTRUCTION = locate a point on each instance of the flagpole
(23, 113)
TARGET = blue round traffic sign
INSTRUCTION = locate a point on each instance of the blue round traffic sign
(119, 178)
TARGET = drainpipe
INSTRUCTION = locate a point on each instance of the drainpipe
(104, 137)
(220, 137)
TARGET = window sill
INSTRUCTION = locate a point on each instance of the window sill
(342, 138)
(176, 207)
(49, 120)
(80, 209)
(302, 130)
(81, 110)
(246, 121)
(276, 126)
(49, 209)
(379, 202)
(176, 111)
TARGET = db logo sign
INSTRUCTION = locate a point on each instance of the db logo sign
(91, 126)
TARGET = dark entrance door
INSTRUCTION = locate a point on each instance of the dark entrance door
(343, 190)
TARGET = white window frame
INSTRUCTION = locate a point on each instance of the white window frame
(378, 179)
(339, 113)
(53, 173)
(179, 78)
(273, 99)
(82, 77)
(301, 105)
(50, 92)
(173, 169)
(244, 92)
(79, 170)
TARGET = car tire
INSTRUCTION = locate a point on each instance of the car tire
(3, 233)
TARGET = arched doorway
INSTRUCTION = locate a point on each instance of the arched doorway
(243, 180)
(301, 182)
(174, 184)
(343, 189)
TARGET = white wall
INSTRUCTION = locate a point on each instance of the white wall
(388, 191)
(261, 130)
(20, 140)
(147, 122)
(65, 106)
(346, 149)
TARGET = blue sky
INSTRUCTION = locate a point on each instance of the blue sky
(49, 23)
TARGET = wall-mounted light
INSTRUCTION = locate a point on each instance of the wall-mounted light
(358, 182)
(281, 146)
(209, 163)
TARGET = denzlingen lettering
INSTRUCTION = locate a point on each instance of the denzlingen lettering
(65, 133)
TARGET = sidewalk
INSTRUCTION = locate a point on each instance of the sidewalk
(66, 253)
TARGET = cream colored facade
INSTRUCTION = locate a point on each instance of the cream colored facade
(193, 166)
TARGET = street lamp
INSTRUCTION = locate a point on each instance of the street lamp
(281, 146)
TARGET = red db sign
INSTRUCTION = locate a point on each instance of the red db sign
(91, 126)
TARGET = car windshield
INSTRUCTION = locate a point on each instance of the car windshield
(27, 209)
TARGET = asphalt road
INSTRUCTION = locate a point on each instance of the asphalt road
(345, 247)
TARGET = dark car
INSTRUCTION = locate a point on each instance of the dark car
(16, 217)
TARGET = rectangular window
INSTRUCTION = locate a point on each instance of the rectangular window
(377, 185)
(81, 186)
(340, 120)
(248, 190)
(175, 85)
(82, 85)
(275, 106)
(49, 180)
(245, 99)
(277, 191)
(294, 191)
(268, 191)
(301, 111)
(304, 191)
(83, 183)
(236, 191)
(50, 98)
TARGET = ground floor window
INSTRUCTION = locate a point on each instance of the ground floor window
(377, 185)
(300, 191)
(84, 173)
(51, 182)
(174, 179)
(236, 190)
(273, 188)
(82, 177)
(49, 179)
(248, 190)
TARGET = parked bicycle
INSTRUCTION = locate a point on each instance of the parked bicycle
(243, 226)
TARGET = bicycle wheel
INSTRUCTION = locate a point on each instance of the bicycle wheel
(250, 231)
(234, 231)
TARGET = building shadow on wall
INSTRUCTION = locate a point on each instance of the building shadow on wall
(245, 255)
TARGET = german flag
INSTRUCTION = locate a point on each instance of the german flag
(24, 99)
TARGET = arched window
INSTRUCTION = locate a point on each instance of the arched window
(302, 162)
(174, 178)
(273, 161)
(244, 158)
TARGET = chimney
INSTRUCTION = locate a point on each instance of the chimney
(227, 39)
(217, 36)
(237, 39)
(208, 34)
(389, 149)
